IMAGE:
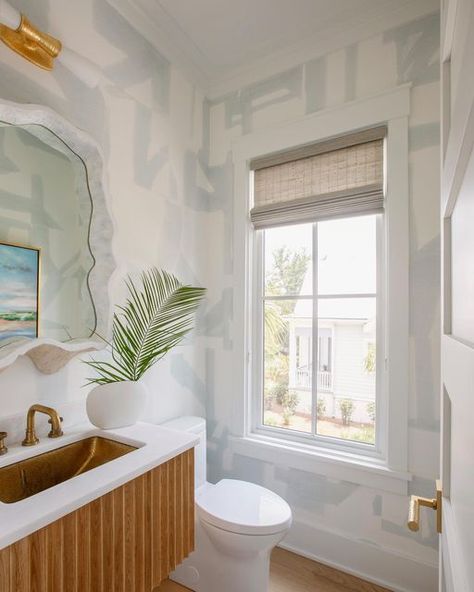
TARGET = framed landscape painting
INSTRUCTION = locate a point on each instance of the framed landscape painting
(19, 292)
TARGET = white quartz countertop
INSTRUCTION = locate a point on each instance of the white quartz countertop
(155, 445)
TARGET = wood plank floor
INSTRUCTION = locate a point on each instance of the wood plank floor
(293, 573)
(170, 586)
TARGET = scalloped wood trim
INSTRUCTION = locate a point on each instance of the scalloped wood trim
(48, 355)
(49, 359)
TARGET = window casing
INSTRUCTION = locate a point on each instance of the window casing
(388, 468)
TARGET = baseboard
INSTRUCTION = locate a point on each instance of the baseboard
(367, 561)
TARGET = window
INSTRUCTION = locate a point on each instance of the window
(318, 254)
(384, 354)
(303, 390)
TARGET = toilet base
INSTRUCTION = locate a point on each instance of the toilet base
(227, 562)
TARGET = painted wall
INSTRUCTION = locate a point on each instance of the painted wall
(344, 523)
(148, 121)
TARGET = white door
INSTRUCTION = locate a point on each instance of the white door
(457, 356)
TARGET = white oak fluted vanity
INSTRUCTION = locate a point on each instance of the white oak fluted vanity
(122, 526)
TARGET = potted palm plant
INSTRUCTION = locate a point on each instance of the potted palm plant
(155, 318)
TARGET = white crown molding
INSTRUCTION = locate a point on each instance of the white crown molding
(333, 38)
(150, 19)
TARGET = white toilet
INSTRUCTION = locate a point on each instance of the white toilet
(237, 526)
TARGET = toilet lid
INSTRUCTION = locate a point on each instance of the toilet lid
(245, 508)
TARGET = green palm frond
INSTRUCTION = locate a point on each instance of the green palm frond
(155, 318)
(274, 324)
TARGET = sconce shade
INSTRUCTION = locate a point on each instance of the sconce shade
(85, 70)
(9, 16)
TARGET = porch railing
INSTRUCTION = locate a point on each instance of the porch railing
(303, 378)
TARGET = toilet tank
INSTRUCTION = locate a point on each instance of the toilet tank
(193, 425)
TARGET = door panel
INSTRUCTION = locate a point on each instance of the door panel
(458, 443)
(462, 259)
(457, 356)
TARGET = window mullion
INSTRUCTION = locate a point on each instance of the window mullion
(314, 361)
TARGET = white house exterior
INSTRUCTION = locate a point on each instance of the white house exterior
(346, 346)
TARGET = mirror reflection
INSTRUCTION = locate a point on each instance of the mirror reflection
(45, 255)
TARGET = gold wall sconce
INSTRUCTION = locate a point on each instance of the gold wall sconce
(37, 47)
(41, 49)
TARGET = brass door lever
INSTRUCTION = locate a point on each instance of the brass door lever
(435, 504)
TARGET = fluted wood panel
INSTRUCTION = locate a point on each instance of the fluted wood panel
(126, 541)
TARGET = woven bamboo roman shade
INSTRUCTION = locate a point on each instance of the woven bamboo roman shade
(340, 177)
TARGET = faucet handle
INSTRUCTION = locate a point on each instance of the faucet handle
(51, 421)
(55, 431)
(3, 448)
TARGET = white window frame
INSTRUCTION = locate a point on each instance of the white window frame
(386, 466)
(256, 426)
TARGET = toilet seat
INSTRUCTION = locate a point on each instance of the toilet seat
(243, 508)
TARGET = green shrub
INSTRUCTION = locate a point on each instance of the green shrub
(289, 403)
(371, 410)
(321, 408)
(279, 392)
(268, 400)
(370, 359)
(346, 407)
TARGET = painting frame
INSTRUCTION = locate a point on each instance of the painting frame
(36, 252)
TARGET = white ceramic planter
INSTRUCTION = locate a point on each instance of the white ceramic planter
(116, 405)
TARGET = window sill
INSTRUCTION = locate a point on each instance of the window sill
(333, 464)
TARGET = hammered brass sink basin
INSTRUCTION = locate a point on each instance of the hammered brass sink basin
(37, 473)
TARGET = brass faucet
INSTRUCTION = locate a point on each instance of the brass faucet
(3, 448)
(31, 438)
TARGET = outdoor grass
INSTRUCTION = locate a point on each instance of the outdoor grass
(326, 427)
